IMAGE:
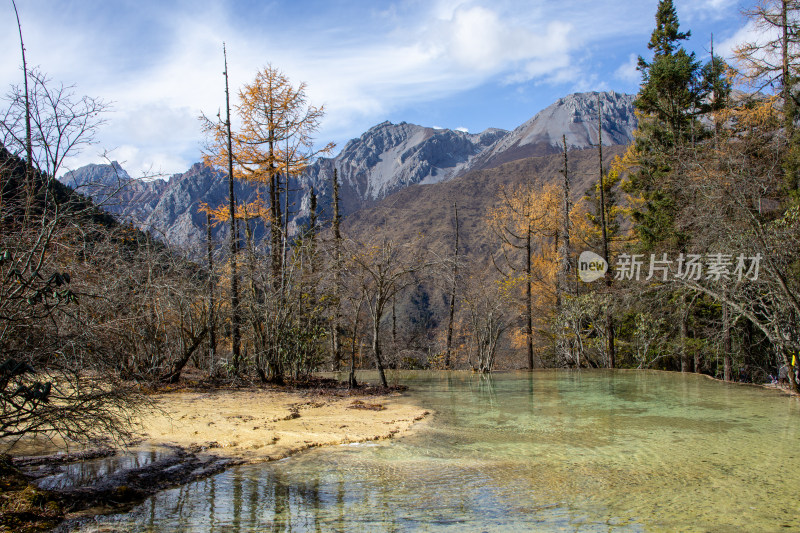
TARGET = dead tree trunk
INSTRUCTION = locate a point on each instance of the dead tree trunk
(529, 298)
(564, 345)
(337, 272)
(212, 282)
(376, 349)
(684, 328)
(726, 344)
(352, 383)
(28, 141)
(234, 239)
(611, 348)
(174, 375)
(452, 294)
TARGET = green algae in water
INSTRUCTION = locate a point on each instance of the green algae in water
(542, 451)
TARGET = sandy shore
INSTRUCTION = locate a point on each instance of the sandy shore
(261, 425)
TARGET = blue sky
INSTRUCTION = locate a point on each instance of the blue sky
(444, 63)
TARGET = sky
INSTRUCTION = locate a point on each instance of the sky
(439, 63)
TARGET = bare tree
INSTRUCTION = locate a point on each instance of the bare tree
(454, 282)
(735, 187)
(57, 378)
(384, 269)
(62, 125)
(609, 318)
(337, 274)
(487, 305)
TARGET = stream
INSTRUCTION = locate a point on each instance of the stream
(551, 450)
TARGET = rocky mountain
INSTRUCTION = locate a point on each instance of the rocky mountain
(386, 159)
(113, 189)
(575, 116)
(168, 208)
(389, 157)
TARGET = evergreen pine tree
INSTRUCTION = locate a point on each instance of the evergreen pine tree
(669, 100)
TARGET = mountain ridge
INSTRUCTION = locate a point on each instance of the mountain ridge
(573, 116)
(385, 159)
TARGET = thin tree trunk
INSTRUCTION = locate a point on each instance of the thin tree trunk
(452, 295)
(747, 347)
(726, 343)
(789, 103)
(611, 342)
(251, 256)
(376, 348)
(394, 323)
(562, 284)
(602, 180)
(715, 99)
(212, 322)
(352, 383)
(611, 348)
(285, 243)
(276, 239)
(558, 336)
(174, 375)
(28, 138)
(684, 332)
(786, 89)
(337, 256)
(696, 361)
(234, 238)
(529, 298)
(278, 283)
(565, 225)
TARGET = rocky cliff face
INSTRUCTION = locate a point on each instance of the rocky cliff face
(169, 208)
(113, 189)
(575, 116)
(390, 156)
(385, 159)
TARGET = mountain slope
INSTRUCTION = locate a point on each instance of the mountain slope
(386, 159)
(169, 208)
(113, 189)
(576, 117)
(426, 210)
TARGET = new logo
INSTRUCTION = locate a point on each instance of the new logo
(591, 267)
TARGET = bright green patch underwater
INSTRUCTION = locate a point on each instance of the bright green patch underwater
(542, 451)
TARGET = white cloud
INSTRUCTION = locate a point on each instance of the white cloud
(476, 37)
(483, 41)
(627, 71)
(752, 33)
(706, 9)
(429, 52)
(749, 33)
(161, 63)
(705, 5)
(462, 129)
(718, 4)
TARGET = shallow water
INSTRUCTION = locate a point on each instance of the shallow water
(84, 473)
(542, 451)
